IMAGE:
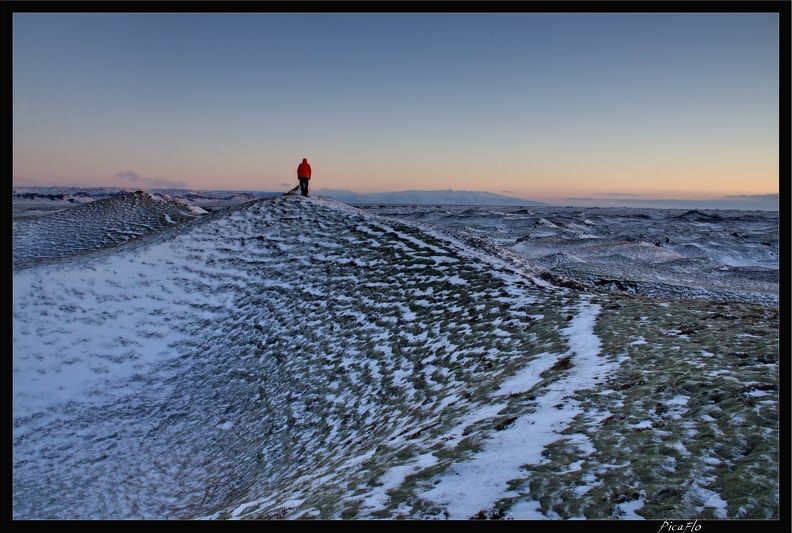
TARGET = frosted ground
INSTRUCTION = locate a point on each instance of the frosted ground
(723, 255)
(296, 358)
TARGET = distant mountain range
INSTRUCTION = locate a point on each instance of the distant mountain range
(442, 197)
(55, 196)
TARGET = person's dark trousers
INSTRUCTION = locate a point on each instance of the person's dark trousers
(303, 186)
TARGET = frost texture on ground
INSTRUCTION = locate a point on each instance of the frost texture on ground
(300, 358)
(671, 253)
(93, 226)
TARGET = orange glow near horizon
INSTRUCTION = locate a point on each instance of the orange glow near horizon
(545, 106)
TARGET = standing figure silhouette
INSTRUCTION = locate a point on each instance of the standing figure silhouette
(304, 175)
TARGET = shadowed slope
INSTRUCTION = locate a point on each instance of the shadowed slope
(96, 225)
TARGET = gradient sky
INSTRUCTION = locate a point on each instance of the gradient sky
(538, 106)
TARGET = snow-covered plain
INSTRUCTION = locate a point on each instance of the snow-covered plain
(295, 357)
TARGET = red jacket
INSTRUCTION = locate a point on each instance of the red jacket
(304, 170)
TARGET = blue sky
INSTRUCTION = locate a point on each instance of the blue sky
(539, 106)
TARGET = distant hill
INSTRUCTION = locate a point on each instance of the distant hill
(98, 224)
(413, 197)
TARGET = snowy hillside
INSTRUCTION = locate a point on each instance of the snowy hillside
(35, 201)
(94, 225)
(297, 357)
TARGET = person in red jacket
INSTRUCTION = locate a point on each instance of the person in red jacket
(304, 175)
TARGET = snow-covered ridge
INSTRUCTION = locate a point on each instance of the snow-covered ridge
(298, 357)
(95, 225)
(54, 197)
